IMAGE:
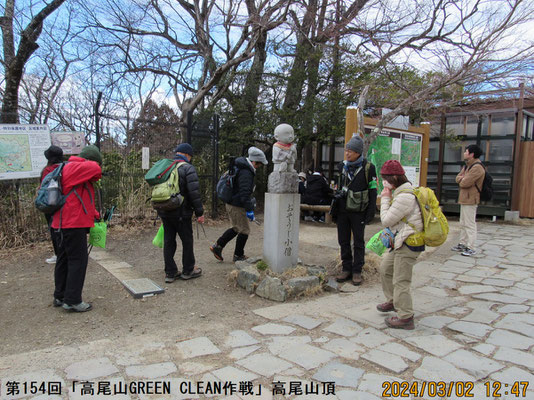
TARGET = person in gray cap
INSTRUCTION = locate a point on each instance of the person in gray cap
(241, 207)
(356, 205)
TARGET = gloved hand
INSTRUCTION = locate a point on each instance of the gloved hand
(250, 215)
(388, 238)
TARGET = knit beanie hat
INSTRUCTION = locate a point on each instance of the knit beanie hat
(54, 154)
(91, 153)
(185, 148)
(255, 154)
(355, 144)
(392, 167)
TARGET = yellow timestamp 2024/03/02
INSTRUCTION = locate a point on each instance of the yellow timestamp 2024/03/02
(442, 389)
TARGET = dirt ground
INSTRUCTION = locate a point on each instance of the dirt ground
(198, 307)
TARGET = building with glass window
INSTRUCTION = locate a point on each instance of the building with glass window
(504, 130)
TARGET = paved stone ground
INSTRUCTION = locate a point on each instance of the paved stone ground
(474, 324)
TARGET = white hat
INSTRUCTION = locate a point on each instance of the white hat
(302, 175)
(255, 154)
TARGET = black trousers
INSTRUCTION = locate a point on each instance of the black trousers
(49, 222)
(355, 223)
(71, 264)
(184, 228)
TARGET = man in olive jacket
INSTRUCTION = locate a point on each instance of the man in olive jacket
(470, 180)
(357, 179)
(179, 221)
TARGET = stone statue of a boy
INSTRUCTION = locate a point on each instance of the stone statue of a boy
(284, 150)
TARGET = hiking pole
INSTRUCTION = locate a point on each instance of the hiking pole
(203, 230)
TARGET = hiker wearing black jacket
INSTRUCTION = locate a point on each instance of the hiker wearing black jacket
(318, 192)
(179, 221)
(355, 209)
(241, 207)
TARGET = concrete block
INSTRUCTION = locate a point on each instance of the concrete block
(511, 216)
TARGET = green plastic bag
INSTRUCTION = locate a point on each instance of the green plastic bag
(158, 239)
(97, 235)
(375, 244)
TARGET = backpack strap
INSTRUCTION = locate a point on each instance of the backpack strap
(485, 170)
(404, 219)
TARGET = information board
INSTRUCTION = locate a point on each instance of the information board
(22, 150)
(70, 142)
(395, 145)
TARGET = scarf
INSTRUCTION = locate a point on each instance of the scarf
(352, 166)
(180, 158)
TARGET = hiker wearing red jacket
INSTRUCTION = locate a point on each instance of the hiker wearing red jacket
(71, 224)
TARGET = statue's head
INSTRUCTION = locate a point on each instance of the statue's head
(284, 133)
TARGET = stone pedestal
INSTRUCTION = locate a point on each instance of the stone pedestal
(281, 230)
(283, 182)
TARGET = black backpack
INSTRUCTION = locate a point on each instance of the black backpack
(486, 192)
(225, 186)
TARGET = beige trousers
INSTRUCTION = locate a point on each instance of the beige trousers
(396, 275)
(238, 218)
(468, 225)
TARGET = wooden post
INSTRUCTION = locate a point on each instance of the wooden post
(351, 123)
(517, 151)
(425, 148)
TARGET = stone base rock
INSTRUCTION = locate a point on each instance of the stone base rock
(283, 182)
(276, 289)
(272, 289)
(300, 285)
(247, 277)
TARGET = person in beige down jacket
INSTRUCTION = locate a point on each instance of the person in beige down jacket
(470, 180)
(400, 212)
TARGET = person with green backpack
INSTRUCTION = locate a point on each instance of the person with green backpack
(401, 213)
(178, 220)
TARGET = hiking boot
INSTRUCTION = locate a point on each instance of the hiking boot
(397, 323)
(217, 251)
(343, 276)
(171, 278)
(357, 279)
(240, 258)
(57, 303)
(459, 247)
(468, 252)
(386, 307)
(195, 273)
(80, 307)
(51, 260)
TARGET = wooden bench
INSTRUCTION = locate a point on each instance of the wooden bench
(325, 209)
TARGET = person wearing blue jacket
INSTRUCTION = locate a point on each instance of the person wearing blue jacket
(241, 208)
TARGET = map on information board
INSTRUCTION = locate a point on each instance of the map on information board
(22, 150)
(394, 145)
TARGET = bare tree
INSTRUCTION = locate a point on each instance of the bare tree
(14, 61)
(194, 45)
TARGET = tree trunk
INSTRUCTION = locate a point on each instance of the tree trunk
(14, 63)
(245, 106)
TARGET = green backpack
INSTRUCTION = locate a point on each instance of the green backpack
(435, 225)
(166, 195)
